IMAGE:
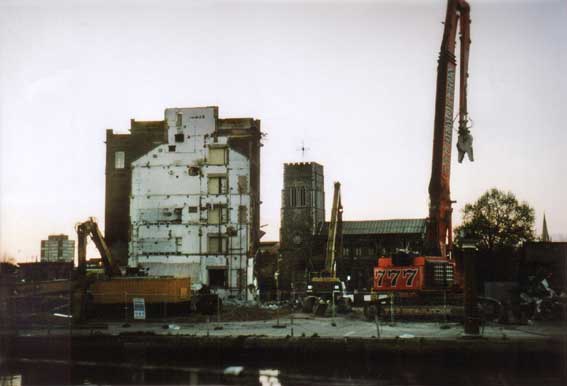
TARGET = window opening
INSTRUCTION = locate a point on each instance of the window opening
(242, 214)
(292, 197)
(217, 244)
(242, 184)
(119, 160)
(218, 156)
(302, 197)
(217, 185)
(218, 277)
(217, 214)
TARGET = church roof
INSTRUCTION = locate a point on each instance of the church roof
(381, 227)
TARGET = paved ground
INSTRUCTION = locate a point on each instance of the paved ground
(307, 325)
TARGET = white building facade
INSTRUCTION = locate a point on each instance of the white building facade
(194, 207)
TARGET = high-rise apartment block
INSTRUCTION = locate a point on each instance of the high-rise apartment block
(57, 248)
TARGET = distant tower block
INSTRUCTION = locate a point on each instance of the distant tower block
(302, 213)
(57, 248)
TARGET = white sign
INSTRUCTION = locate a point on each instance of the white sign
(139, 308)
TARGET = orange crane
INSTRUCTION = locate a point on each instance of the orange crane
(421, 279)
(438, 240)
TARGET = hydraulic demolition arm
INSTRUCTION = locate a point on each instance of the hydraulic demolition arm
(439, 232)
(90, 228)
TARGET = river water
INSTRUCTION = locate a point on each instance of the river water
(52, 372)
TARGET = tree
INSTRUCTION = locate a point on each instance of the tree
(497, 221)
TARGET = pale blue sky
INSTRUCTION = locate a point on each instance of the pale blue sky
(354, 80)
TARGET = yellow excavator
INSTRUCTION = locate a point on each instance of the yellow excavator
(115, 289)
(90, 228)
(325, 288)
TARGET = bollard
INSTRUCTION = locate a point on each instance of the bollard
(218, 310)
(392, 309)
(291, 322)
(333, 308)
(125, 308)
(377, 325)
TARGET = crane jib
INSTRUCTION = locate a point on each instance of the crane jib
(448, 123)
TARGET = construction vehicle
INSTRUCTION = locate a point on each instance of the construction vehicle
(326, 289)
(90, 228)
(114, 289)
(429, 283)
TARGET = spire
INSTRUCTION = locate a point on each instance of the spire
(544, 232)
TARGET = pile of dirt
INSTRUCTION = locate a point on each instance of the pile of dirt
(251, 313)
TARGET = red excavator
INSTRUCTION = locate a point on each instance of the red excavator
(415, 284)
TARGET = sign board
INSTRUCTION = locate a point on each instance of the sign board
(139, 308)
(408, 278)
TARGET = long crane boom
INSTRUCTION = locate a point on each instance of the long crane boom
(439, 226)
(334, 239)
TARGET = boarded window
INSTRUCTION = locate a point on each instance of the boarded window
(241, 278)
(217, 244)
(218, 277)
(217, 214)
(119, 160)
(177, 214)
(218, 156)
(242, 184)
(170, 215)
(217, 184)
(242, 214)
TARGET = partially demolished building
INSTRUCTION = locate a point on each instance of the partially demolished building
(195, 201)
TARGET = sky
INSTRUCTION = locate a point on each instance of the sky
(353, 81)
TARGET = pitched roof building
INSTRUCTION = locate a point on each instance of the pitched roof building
(364, 241)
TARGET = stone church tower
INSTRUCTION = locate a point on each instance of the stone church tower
(302, 214)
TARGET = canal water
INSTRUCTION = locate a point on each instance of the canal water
(53, 372)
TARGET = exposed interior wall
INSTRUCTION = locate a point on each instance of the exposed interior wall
(195, 204)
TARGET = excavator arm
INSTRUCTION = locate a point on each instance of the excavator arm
(439, 227)
(90, 228)
(334, 240)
